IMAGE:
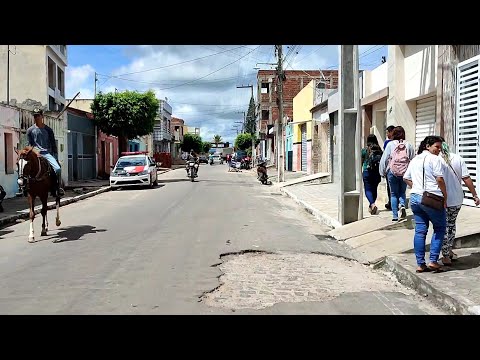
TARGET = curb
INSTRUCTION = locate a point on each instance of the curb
(449, 303)
(323, 218)
(13, 218)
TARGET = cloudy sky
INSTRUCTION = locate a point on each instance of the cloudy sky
(199, 81)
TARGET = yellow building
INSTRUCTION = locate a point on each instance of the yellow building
(302, 129)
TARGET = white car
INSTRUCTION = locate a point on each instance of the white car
(134, 169)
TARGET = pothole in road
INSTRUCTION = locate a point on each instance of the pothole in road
(256, 280)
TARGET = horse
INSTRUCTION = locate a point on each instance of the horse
(35, 178)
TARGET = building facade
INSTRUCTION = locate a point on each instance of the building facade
(36, 74)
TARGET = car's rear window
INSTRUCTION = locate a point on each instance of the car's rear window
(131, 161)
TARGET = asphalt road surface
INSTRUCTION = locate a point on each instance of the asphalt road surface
(224, 244)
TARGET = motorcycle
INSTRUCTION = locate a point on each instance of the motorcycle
(192, 169)
(262, 173)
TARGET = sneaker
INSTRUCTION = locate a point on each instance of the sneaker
(394, 219)
(403, 212)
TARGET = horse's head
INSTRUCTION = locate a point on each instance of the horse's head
(26, 156)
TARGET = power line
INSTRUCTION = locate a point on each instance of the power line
(179, 63)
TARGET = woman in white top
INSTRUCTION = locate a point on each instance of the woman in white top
(425, 173)
(455, 171)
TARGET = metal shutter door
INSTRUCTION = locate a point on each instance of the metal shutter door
(425, 118)
(467, 120)
(304, 147)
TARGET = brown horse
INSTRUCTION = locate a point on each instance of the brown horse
(35, 178)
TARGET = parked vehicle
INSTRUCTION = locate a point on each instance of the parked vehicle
(203, 159)
(134, 169)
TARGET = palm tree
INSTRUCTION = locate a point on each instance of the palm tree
(217, 139)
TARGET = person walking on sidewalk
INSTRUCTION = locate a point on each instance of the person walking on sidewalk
(389, 135)
(455, 170)
(425, 175)
(393, 165)
(371, 156)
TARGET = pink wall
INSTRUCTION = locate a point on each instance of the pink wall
(111, 153)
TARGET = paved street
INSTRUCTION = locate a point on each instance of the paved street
(178, 249)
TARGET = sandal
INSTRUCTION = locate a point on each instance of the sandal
(453, 256)
(446, 261)
(435, 267)
(423, 268)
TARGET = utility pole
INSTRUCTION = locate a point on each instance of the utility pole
(8, 72)
(95, 91)
(279, 133)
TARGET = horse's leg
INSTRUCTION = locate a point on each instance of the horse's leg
(57, 220)
(31, 202)
(44, 199)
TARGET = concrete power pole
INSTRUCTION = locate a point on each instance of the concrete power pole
(349, 119)
(279, 133)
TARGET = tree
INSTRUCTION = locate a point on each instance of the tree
(207, 145)
(250, 121)
(217, 139)
(243, 141)
(127, 114)
(192, 141)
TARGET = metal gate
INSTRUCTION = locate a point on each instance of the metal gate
(425, 117)
(467, 119)
(304, 147)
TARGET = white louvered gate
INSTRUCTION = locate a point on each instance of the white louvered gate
(467, 119)
(425, 117)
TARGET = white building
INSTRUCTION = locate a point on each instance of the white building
(35, 72)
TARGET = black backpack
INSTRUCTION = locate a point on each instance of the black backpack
(374, 155)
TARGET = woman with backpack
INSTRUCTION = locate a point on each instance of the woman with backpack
(393, 165)
(371, 156)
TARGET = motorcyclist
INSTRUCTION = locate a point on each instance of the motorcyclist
(41, 137)
(210, 158)
(192, 156)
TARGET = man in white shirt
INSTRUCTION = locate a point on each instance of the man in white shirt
(455, 170)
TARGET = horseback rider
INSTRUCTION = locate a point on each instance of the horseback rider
(41, 137)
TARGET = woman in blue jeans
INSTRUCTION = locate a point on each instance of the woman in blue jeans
(395, 179)
(371, 156)
(426, 173)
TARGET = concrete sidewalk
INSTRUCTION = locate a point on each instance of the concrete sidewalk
(378, 241)
(17, 208)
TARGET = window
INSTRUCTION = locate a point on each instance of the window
(51, 74)
(51, 103)
(61, 81)
(8, 153)
(265, 115)
(265, 87)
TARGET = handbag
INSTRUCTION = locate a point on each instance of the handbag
(431, 200)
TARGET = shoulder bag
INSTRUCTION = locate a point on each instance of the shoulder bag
(431, 200)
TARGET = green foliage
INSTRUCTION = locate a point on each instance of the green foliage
(128, 114)
(243, 141)
(207, 145)
(250, 120)
(217, 139)
(192, 141)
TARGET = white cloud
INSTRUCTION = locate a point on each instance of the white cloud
(204, 91)
(76, 78)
